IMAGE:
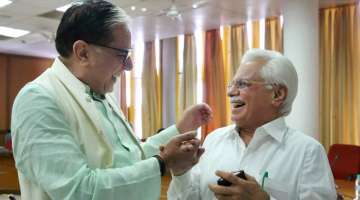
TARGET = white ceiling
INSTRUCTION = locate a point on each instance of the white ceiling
(24, 14)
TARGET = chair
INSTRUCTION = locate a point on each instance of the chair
(344, 161)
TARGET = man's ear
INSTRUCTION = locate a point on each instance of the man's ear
(81, 50)
(279, 95)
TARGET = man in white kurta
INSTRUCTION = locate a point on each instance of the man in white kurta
(70, 139)
(280, 162)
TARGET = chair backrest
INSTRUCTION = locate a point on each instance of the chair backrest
(344, 160)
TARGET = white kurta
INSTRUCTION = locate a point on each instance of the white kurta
(297, 164)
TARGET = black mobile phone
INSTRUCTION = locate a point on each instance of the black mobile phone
(224, 182)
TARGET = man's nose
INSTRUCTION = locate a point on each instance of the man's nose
(128, 65)
(232, 91)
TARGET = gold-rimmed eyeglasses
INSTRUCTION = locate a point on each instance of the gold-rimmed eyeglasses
(243, 83)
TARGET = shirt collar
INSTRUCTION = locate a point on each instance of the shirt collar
(276, 128)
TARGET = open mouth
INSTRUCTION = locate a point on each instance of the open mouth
(237, 104)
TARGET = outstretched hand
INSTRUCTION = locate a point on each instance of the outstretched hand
(181, 153)
(193, 117)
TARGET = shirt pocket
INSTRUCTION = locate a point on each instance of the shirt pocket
(278, 190)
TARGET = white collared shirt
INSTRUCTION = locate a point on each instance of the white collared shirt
(297, 164)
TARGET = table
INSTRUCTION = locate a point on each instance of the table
(346, 188)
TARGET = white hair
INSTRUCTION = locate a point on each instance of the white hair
(277, 70)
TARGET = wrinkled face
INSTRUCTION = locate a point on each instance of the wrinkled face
(109, 61)
(250, 97)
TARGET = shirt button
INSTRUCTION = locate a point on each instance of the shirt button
(88, 99)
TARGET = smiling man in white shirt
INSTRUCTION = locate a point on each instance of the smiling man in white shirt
(279, 162)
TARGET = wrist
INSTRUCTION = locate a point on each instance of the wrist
(162, 164)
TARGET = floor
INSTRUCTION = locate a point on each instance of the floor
(164, 186)
(6, 197)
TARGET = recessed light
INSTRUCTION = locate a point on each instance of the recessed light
(194, 6)
(12, 32)
(64, 8)
(143, 9)
(67, 6)
(133, 8)
(4, 3)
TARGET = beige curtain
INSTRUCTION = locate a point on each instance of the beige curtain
(256, 34)
(273, 34)
(151, 93)
(122, 95)
(239, 45)
(340, 72)
(188, 81)
(178, 80)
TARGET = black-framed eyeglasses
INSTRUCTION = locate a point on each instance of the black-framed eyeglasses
(243, 83)
(124, 52)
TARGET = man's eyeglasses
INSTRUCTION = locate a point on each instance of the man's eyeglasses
(243, 83)
(123, 52)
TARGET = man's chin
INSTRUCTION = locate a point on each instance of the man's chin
(236, 119)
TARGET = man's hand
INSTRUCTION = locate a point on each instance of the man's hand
(240, 189)
(181, 153)
(193, 117)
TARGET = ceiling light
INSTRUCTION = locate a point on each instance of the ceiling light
(65, 7)
(194, 6)
(143, 9)
(133, 8)
(12, 32)
(4, 3)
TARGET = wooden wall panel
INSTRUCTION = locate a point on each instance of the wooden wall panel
(22, 70)
(3, 93)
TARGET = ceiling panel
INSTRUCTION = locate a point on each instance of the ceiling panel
(146, 25)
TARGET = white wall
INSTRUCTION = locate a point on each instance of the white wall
(301, 46)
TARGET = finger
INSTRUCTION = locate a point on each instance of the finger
(220, 190)
(223, 197)
(229, 177)
(206, 109)
(185, 137)
(187, 147)
(196, 142)
(250, 178)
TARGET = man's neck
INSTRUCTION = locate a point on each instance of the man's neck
(246, 134)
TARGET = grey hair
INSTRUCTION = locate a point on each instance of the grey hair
(277, 70)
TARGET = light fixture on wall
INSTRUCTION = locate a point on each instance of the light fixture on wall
(12, 32)
(4, 3)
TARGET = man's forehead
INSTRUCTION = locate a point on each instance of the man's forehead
(249, 69)
(122, 36)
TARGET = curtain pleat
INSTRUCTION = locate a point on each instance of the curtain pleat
(122, 95)
(339, 71)
(151, 109)
(256, 34)
(214, 90)
(168, 60)
(273, 34)
(188, 82)
(178, 81)
(239, 45)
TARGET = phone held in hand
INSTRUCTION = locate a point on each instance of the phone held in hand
(223, 182)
